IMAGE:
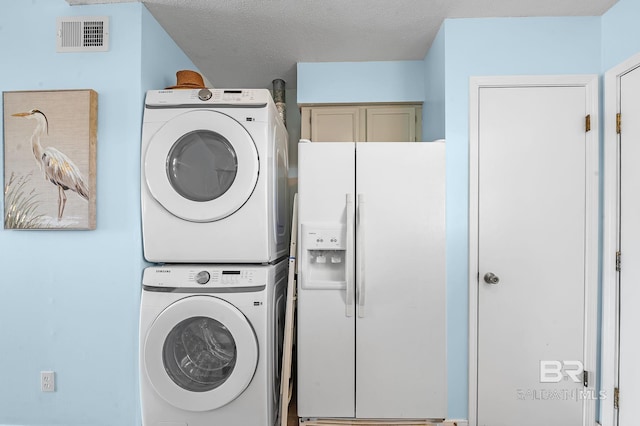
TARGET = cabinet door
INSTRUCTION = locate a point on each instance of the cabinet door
(391, 124)
(362, 123)
(336, 124)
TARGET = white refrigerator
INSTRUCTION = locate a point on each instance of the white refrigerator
(371, 340)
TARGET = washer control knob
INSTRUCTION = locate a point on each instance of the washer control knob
(202, 277)
(204, 94)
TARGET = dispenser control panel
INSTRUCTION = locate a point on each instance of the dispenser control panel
(325, 239)
(323, 256)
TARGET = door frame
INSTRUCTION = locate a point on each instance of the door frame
(611, 240)
(590, 82)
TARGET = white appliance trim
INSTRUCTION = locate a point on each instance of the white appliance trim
(590, 82)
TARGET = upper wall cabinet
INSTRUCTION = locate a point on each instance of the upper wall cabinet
(362, 123)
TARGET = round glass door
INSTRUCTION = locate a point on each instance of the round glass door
(201, 166)
(200, 353)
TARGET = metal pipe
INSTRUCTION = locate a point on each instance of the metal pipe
(279, 98)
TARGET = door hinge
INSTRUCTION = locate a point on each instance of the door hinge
(618, 261)
(618, 123)
(585, 378)
(616, 398)
(587, 123)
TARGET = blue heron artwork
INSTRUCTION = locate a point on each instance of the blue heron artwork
(58, 130)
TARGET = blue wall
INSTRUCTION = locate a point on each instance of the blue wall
(433, 116)
(349, 82)
(70, 299)
(620, 33)
(160, 57)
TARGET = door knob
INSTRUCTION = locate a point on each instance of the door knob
(491, 278)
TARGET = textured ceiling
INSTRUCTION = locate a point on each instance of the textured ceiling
(248, 43)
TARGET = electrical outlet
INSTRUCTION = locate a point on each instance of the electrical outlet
(47, 381)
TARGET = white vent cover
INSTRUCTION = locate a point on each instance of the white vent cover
(82, 34)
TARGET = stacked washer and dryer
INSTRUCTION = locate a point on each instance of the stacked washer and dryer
(216, 222)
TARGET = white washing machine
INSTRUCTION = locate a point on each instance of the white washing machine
(213, 177)
(211, 344)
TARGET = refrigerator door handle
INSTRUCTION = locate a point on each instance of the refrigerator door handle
(360, 255)
(349, 257)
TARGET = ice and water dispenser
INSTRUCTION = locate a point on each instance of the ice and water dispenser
(323, 256)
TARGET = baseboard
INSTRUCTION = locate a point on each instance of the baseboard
(372, 422)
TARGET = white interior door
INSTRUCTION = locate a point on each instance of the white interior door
(530, 267)
(629, 351)
(400, 324)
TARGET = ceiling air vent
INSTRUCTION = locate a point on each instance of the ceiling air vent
(82, 34)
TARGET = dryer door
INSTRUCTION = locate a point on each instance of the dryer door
(201, 166)
(200, 353)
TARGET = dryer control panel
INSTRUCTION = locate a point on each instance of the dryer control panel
(177, 98)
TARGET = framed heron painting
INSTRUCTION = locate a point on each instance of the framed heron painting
(50, 159)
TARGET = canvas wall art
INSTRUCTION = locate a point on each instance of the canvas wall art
(50, 159)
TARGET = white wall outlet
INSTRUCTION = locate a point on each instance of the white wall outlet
(47, 381)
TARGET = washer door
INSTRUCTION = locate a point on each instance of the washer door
(201, 166)
(200, 353)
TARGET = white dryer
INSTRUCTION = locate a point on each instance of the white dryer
(211, 344)
(213, 177)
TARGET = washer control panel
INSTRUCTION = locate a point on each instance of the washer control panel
(202, 276)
